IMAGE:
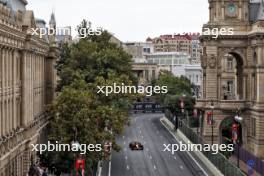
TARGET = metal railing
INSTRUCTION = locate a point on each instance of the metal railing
(219, 160)
(144, 107)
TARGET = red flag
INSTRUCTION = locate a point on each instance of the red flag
(209, 118)
(80, 165)
(234, 133)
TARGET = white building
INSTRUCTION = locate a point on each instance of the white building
(179, 64)
(196, 50)
(195, 74)
(170, 61)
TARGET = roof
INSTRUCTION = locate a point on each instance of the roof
(38, 20)
(149, 39)
(168, 53)
(175, 37)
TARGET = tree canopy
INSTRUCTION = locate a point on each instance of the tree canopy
(79, 112)
(177, 86)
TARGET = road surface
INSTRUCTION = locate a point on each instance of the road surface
(153, 161)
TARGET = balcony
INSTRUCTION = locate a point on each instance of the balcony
(231, 105)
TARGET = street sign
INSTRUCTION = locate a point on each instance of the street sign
(250, 164)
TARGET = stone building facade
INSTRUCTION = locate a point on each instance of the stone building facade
(188, 43)
(245, 79)
(144, 72)
(172, 43)
(27, 84)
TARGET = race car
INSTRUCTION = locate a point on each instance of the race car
(136, 146)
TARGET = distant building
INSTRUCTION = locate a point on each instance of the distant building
(188, 43)
(144, 71)
(194, 73)
(179, 64)
(196, 49)
(168, 60)
(172, 43)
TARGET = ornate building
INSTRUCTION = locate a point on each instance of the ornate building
(172, 43)
(233, 73)
(27, 84)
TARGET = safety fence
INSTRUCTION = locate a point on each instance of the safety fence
(219, 160)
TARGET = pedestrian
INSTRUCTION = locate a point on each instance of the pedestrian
(40, 170)
(33, 171)
(45, 172)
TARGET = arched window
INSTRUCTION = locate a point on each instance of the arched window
(232, 77)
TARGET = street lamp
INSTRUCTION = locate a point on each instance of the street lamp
(195, 115)
(182, 108)
(212, 120)
(75, 144)
(238, 120)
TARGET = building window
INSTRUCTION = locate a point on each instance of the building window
(146, 50)
(147, 75)
(229, 86)
(153, 74)
(230, 64)
(197, 78)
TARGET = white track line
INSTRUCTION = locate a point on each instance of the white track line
(186, 150)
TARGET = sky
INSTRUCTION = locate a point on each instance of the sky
(128, 20)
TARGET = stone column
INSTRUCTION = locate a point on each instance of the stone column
(4, 115)
(222, 11)
(244, 84)
(26, 161)
(24, 89)
(51, 74)
(1, 117)
(1, 90)
(4, 68)
(260, 85)
(219, 87)
(7, 57)
(14, 56)
(211, 84)
(8, 115)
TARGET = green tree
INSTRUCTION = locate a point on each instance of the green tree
(176, 86)
(179, 89)
(92, 57)
(79, 112)
(172, 103)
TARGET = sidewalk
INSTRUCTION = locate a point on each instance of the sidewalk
(242, 165)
